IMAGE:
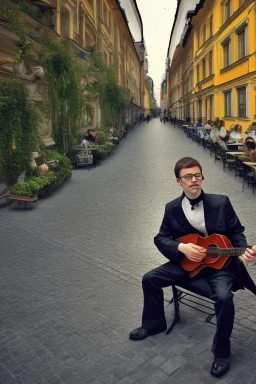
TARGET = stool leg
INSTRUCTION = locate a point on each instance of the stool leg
(176, 309)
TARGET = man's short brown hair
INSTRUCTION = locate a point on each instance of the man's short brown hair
(186, 162)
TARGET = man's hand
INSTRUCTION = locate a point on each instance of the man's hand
(193, 252)
(250, 254)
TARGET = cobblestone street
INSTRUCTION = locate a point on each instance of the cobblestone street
(71, 273)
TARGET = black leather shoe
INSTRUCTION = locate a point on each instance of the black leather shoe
(220, 367)
(141, 333)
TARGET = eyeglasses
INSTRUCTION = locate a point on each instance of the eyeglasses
(189, 176)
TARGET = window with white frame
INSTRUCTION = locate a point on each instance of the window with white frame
(210, 27)
(226, 10)
(210, 63)
(241, 40)
(204, 33)
(226, 53)
(204, 68)
(227, 104)
(241, 98)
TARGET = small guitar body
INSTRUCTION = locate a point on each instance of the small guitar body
(215, 245)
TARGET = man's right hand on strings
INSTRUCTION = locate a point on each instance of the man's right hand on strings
(192, 252)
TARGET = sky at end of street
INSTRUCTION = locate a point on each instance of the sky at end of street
(157, 17)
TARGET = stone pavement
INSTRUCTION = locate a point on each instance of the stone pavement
(71, 273)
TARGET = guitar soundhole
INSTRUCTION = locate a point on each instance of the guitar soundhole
(214, 254)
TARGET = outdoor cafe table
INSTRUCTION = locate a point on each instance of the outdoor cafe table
(250, 163)
(237, 153)
(234, 146)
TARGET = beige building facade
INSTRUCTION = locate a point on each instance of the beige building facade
(94, 27)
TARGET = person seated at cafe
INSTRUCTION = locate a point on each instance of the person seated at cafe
(253, 126)
(214, 134)
(199, 123)
(208, 125)
(222, 129)
(249, 139)
(250, 149)
(91, 135)
(236, 132)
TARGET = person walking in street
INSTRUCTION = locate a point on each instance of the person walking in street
(203, 214)
(148, 118)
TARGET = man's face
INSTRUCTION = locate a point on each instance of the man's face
(92, 133)
(190, 184)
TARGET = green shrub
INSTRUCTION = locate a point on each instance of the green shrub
(18, 130)
(29, 188)
(105, 149)
(36, 183)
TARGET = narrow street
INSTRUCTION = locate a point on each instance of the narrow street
(71, 273)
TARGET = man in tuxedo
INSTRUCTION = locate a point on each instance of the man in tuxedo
(205, 214)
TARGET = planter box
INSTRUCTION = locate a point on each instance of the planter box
(26, 201)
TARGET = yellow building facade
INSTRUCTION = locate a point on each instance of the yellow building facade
(146, 98)
(213, 69)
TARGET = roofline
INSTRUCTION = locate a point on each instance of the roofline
(126, 22)
(141, 23)
(190, 16)
(173, 26)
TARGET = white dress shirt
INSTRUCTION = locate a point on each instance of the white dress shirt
(195, 217)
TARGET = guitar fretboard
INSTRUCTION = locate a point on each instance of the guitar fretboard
(214, 251)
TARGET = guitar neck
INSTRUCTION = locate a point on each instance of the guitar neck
(215, 251)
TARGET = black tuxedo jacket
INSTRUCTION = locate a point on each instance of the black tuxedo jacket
(220, 218)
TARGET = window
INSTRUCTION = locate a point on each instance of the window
(106, 16)
(200, 108)
(241, 2)
(91, 3)
(198, 73)
(210, 63)
(64, 20)
(210, 111)
(226, 54)
(227, 104)
(210, 27)
(203, 67)
(105, 13)
(241, 44)
(204, 33)
(241, 95)
(226, 11)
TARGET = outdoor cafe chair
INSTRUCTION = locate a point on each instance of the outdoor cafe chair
(249, 177)
(239, 170)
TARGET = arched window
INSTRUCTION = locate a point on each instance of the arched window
(64, 22)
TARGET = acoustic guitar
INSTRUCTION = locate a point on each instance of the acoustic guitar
(218, 247)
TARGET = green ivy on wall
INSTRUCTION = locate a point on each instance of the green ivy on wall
(66, 100)
(18, 130)
(113, 98)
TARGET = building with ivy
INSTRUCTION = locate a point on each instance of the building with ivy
(94, 28)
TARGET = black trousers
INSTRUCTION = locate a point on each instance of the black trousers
(214, 284)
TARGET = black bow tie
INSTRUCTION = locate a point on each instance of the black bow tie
(195, 202)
